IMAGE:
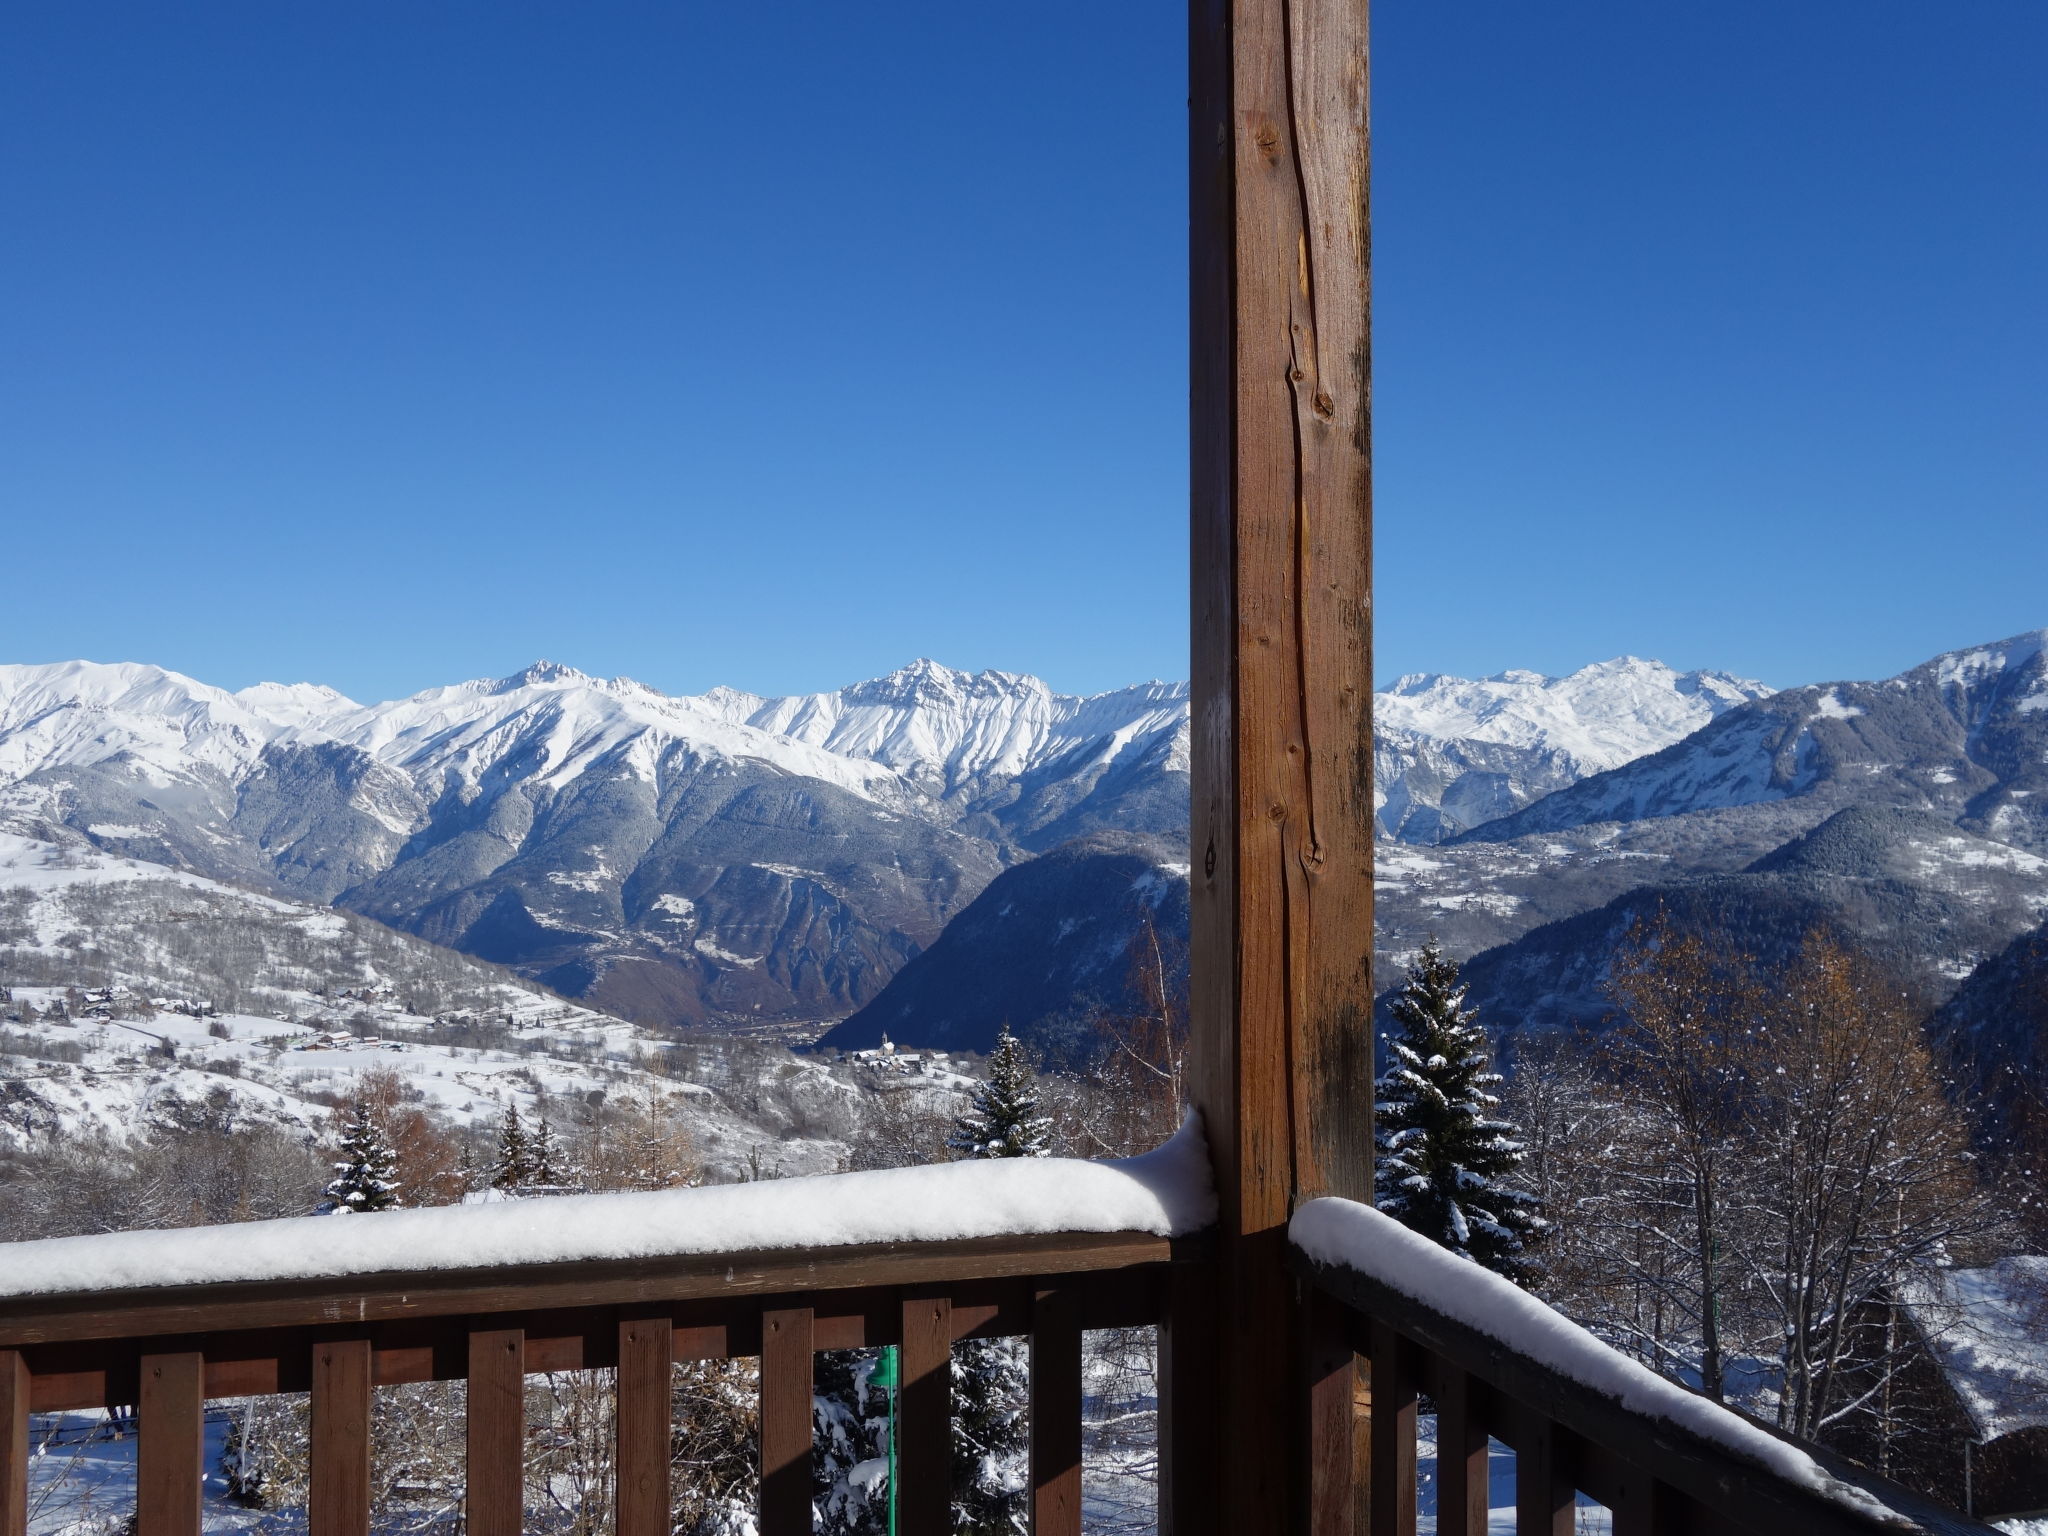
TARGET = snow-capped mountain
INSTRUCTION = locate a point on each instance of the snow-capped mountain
(1964, 736)
(1452, 753)
(718, 858)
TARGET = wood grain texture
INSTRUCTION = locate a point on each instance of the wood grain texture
(643, 1427)
(1393, 1434)
(1056, 1413)
(457, 1293)
(494, 1499)
(1544, 1495)
(786, 1421)
(1280, 477)
(338, 1499)
(1331, 1371)
(1461, 1456)
(14, 1411)
(924, 1418)
(1189, 1454)
(170, 1414)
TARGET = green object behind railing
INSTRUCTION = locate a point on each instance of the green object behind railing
(886, 1375)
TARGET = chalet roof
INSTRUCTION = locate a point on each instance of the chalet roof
(1988, 1331)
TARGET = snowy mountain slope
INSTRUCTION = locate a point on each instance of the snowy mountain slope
(142, 998)
(1964, 735)
(1453, 753)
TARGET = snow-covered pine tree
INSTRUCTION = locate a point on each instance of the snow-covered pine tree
(1444, 1157)
(513, 1166)
(551, 1168)
(1003, 1119)
(366, 1173)
(992, 1378)
(850, 1440)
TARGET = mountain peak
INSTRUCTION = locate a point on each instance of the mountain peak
(541, 674)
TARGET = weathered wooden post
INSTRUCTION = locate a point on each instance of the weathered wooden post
(1282, 836)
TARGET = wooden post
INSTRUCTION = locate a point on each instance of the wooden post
(14, 1389)
(1281, 425)
(787, 1334)
(924, 1417)
(494, 1498)
(1055, 1411)
(643, 1426)
(338, 1503)
(170, 1451)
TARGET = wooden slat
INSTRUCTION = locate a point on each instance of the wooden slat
(338, 1503)
(1189, 1461)
(1461, 1456)
(1055, 1413)
(1282, 799)
(786, 1422)
(646, 1382)
(1543, 1488)
(1393, 1434)
(1332, 1372)
(924, 1418)
(1643, 1506)
(170, 1452)
(494, 1501)
(14, 1399)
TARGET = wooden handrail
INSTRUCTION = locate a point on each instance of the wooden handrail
(1568, 1437)
(444, 1292)
(168, 1350)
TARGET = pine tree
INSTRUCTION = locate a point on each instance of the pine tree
(513, 1168)
(1444, 1157)
(366, 1174)
(550, 1168)
(1003, 1119)
(991, 1378)
(850, 1439)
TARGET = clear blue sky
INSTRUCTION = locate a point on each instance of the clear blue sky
(387, 344)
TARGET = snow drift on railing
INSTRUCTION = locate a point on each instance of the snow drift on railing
(1166, 1192)
(1333, 1231)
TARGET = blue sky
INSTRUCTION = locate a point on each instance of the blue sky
(385, 345)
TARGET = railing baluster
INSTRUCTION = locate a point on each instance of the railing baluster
(1332, 1404)
(338, 1502)
(786, 1422)
(1393, 1434)
(1645, 1507)
(643, 1424)
(1188, 1459)
(1544, 1497)
(1462, 1494)
(170, 1456)
(494, 1503)
(13, 1443)
(924, 1418)
(1056, 1412)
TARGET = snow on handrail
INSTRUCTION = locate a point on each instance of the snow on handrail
(1166, 1192)
(1345, 1233)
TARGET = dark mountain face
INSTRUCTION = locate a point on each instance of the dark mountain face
(1994, 1033)
(1046, 949)
(1906, 886)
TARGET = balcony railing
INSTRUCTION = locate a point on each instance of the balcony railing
(1491, 1360)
